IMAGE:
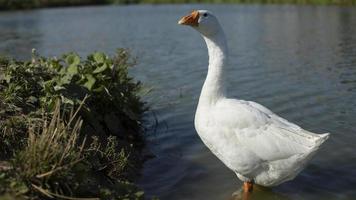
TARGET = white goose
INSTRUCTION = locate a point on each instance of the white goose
(258, 145)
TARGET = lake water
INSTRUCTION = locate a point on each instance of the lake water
(300, 61)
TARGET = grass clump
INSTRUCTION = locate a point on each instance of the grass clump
(70, 128)
(57, 163)
(52, 146)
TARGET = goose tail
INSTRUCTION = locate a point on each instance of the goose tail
(322, 138)
(318, 140)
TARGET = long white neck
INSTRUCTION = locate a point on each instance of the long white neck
(214, 87)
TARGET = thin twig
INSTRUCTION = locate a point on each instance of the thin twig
(53, 195)
(78, 109)
(57, 169)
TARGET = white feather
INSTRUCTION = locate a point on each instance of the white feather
(248, 138)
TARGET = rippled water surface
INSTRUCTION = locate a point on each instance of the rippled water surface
(300, 61)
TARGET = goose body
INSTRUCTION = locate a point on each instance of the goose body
(258, 145)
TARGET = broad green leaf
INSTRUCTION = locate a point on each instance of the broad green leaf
(58, 87)
(99, 57)
(99, 89)
(54, 64)
(139, 194)
(90, 81)
(72, 59)
(66, 79)
(100, 69)
(72, 69)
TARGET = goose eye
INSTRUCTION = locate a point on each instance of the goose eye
(205, 14)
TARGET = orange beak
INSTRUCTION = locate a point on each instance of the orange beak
(191, 20)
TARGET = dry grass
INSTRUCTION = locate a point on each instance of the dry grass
(58, 162)
(52, 147)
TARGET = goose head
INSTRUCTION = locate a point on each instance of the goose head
(203, 21)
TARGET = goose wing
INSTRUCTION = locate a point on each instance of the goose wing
(264, 133)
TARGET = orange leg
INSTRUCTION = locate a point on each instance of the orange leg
(248, 187)
(247, 190)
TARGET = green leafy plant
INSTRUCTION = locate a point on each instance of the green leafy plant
(61, 146)
(113, 93)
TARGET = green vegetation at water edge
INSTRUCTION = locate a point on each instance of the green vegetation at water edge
(28, 4)
(70, 128)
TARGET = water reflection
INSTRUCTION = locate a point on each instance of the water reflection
(337, 178)
(259, 193)
(347, 50)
